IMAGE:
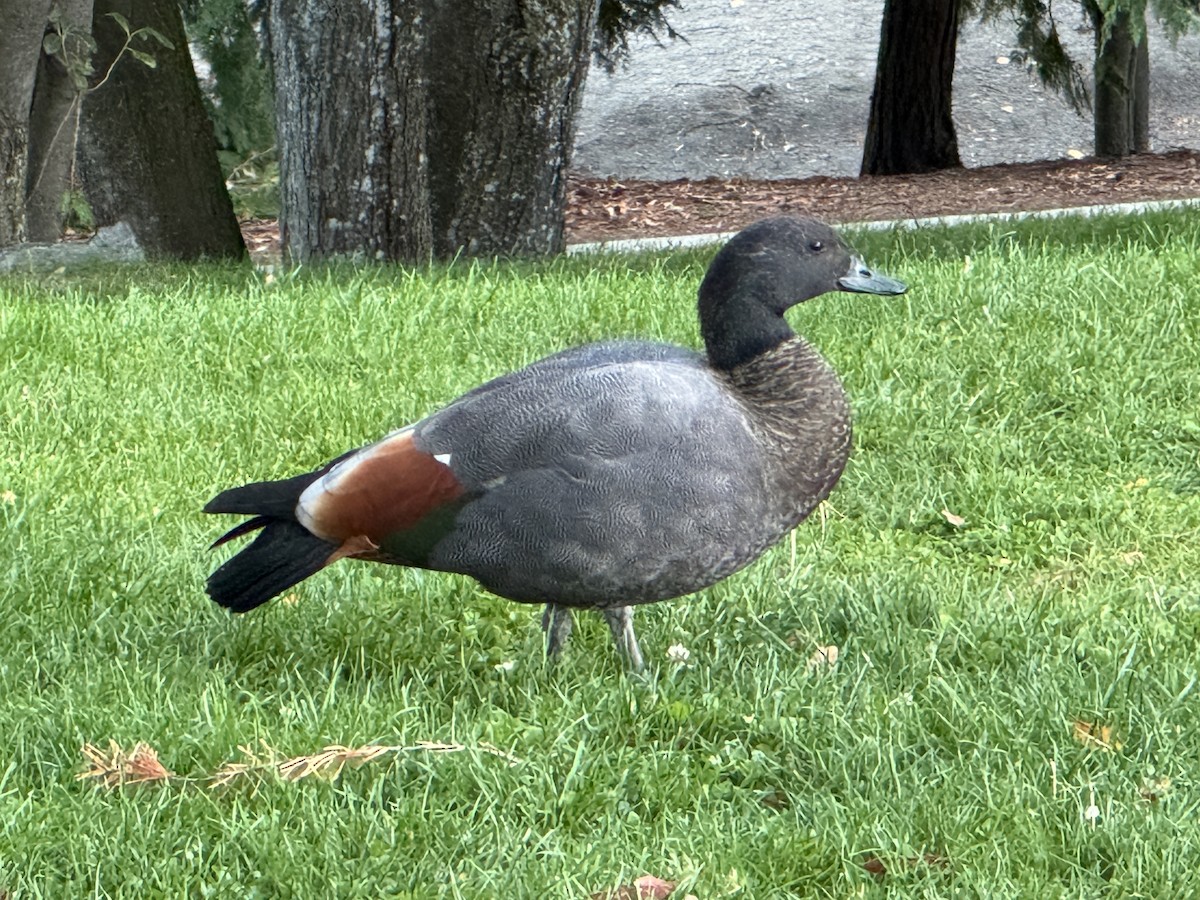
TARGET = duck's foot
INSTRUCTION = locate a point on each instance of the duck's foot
(620, 623)
(556, 623)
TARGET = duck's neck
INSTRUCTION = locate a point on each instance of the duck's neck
(799, 409)
(739, 325)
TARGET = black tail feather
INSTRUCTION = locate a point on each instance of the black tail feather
(284, 554)
(238, 530)
(276, 499)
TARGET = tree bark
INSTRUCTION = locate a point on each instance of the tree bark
(911, 128)
(1141, 96)
(54, 126)
(1122, 86)
(506, 79)
(350, 108)
(21, 29)
(146, 152)
(410, 128)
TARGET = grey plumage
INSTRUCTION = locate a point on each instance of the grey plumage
(618, 473)
(618, 469)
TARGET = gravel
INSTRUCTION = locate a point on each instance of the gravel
(781, 89)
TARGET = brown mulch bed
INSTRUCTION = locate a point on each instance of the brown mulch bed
(608, 209)
(604, 210)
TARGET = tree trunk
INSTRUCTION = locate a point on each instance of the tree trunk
(54, 124)
(146, 152)
(350, 107)
(1122, 110)
(21, 28)
(505, 83)
(1141, 96)
(910, 128)
(417, 127)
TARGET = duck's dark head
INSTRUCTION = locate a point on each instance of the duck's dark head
(764, 271)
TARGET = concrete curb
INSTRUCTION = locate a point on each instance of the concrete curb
(639, 245)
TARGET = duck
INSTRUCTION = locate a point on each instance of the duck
(602, 477)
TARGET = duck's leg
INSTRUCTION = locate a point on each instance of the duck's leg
(556, 622)
(620, 623)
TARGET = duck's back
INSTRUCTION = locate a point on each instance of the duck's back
(610, 474)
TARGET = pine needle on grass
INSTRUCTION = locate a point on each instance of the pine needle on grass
(117, 768)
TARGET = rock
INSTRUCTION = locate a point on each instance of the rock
(111, 244)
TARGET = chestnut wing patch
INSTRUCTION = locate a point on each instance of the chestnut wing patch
(379, 495)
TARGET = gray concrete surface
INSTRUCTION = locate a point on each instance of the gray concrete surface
(781, 89)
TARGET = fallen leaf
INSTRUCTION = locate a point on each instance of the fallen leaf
(645, 888)
(651, 888)
(775, 800)
(1093, 735)
(876, 866)
(1002, 60)
(1075, 154)
(732, 883)
(822, 659)
(956, 521)
(1154, 789)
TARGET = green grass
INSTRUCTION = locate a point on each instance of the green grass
(1047, 391)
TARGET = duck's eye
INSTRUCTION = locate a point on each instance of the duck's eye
(816, 246)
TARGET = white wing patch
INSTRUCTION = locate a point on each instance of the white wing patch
(443, 458)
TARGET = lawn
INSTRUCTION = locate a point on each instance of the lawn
(1009, 570)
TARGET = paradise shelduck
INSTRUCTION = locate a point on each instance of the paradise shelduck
(601, 477)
